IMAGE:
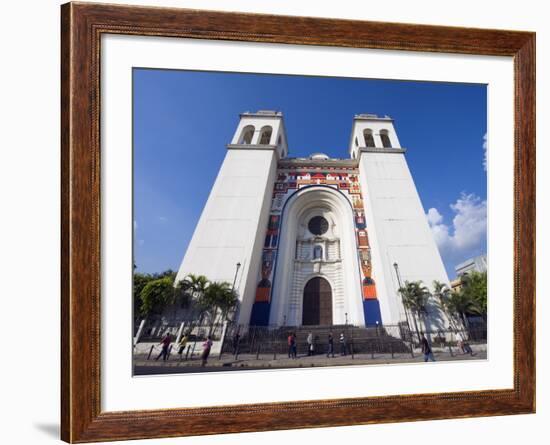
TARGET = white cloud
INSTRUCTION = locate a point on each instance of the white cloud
(434, 217)
(485, 151)
(163, 219)
(469, 226)
(135, 225)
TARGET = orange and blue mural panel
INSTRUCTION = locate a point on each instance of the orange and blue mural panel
(369, 289)
(263, 291)
(371, 309)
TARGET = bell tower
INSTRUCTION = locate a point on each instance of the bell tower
(231, 228)
(400, 237)
(263, 130)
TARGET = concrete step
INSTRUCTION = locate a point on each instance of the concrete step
(361, 340)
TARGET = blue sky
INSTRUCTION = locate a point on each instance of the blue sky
(184, 119)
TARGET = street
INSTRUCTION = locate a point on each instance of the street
(248, 362)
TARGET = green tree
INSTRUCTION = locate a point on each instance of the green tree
(156, 295)
(443, 293)
(462, 304)
(194, 286)
(474, 287)
(220, 300)
(169, 273)
(441, 290)
(415, 298)
(140, 280)
(182, 295)
(139, 283)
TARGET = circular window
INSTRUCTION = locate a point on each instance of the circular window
(317, 225)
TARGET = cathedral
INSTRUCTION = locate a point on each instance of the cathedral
(316, 240)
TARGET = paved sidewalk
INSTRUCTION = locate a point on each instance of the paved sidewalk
(228, 362)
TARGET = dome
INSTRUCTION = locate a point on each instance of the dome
(319, 156)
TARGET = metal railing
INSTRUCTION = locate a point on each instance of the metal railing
(392, 339)
(272, 342)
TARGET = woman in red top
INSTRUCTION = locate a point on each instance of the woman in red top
(206, 346)
(165, 342)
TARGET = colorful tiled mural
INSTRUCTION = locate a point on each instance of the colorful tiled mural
(344, 179)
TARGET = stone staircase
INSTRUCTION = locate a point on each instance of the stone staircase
(358, 340)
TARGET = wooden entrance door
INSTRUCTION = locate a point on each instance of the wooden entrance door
(317, 308)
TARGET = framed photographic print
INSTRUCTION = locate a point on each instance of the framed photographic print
(275, 222)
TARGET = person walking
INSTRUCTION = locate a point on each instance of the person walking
(330, 350)
(236, 339)
(460, 342)
(165, 342)
(309, 344)
(294, 346)
(468, 349)
(342, 344)
(427, 350)
(464, 345)
(182, 344)
(206, 347)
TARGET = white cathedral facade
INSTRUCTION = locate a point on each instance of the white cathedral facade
(319, 241)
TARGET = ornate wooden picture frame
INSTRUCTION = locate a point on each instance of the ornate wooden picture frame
(82, 26)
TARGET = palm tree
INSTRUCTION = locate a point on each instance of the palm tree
(461, 303)
(196, 284)
(441, 290)
(181, 296)
(195, 287)
(443, 294)
(474, 285)
(415, 298)
(220, 299)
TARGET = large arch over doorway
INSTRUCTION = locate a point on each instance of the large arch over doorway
(287, 293)
(317, 303)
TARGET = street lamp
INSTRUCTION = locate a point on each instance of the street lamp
(238, 265)
(396, 267)
(224, 330)
(346, 314)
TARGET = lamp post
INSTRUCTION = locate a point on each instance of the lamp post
(237, 266)
(224, 331)
(396, 267)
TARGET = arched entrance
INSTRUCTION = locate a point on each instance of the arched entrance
(296, 261)
(317, 307)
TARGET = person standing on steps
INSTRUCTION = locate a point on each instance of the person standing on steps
(294, 346)
(342, 344)
(309, 344)
(290, 342)
(330, 350)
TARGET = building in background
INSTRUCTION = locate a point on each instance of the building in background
(320, 241)
(476, 264)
